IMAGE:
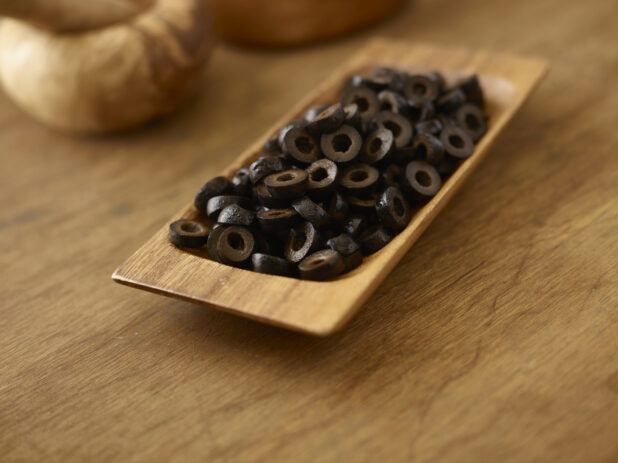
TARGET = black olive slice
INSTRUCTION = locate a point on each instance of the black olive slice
(264, 166)
(457, 142)
(400, 126)
(276, 220)
(378, 146)
(322, 176)
(311, 212)
(392, 209)
(375, 238)
(422, 181)
(471, 118)
(215, 187)
(428, 148)
(187, 233)
(301, 146)
(366, 100)
(342, 145)
(321, 265)
(287, 184)
(236, 215)
(217, 203)
(359, 178)
(328, 120)
(235, 245)
(420, 89)
(302, 240)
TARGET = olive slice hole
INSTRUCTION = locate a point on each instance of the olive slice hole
(236, 241)
(341, 142)
(362, 103)
(375, 144)
(190, 227)
(456, 141)
(299, 240)
(285, 177)
(472, 122)
(304, 145)
(419, 88)
(358, 175)
(319, 174)
(423, 178)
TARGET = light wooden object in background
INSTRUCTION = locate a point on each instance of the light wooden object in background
(322, 307)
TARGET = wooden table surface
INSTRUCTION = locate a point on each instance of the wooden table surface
(495, 339)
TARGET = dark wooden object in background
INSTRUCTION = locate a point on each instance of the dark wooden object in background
(494, 339)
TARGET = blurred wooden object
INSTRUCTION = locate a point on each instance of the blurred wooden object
(493, 339)
(285, 23)
(128, 63)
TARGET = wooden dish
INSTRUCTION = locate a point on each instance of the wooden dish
(320, 308)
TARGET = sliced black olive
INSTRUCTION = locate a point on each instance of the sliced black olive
(342, 145)
(378, 146)
(328, 120)
(471, 118)
(302, 240)
(236, 215)
(321, 265)
(264, 166)
(472, 89)
(295, 123)
(215, 187)
(457, 143)
(276, 220)
(312, 112)
(431, 126)
(393, 102)
(395, 78)
(301, 146)
(272, 265)
(428, 148)
(217, 203)
(359, 178)
(374, 238)
(349, 250)
(311, 212)
(266, 199)
(235, 245)
(337, 208)
(397, 124)
(421, 89)
(242, 182)
(451, 100)
(392, 209)
(422, 181)
(322, 176)
(187, 233)
(287, 184)
(365, 99)
(392, 175)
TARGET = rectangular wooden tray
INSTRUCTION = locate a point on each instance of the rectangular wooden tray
(320, 308)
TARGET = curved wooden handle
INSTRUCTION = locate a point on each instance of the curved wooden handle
(72, 15)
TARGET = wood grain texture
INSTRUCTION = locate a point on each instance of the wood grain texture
(320, 308)
(497, 345)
